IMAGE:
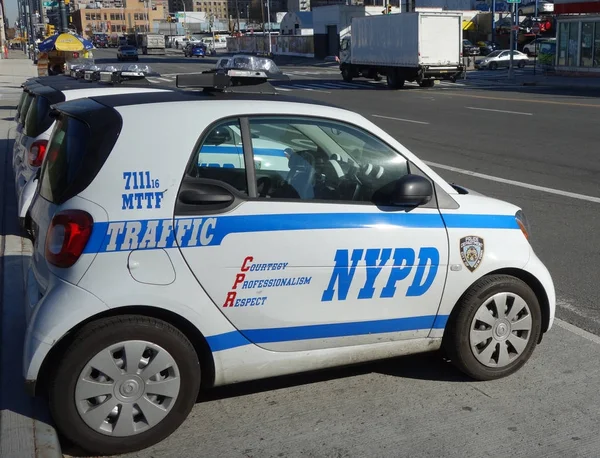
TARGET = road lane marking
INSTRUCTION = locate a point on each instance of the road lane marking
(400, 119)
(500, 111)
(164, 79)
(535, 187)
(280, 88)
(514, 99)
(308, 88)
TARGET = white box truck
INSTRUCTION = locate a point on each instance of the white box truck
(153, 43)
(419, 47)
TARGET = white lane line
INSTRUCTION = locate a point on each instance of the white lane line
(500, 111)
(280, 88)
(400, 119)
(310, 88)
(535, 187)
(577, 331)
(164, 79)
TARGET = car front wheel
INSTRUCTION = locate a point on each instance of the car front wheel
(494, 328)
(123, 384)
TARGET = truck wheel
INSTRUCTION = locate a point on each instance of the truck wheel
(346, 74)
(394, 81)
(427, 83)
(494, 328)
(123, 384)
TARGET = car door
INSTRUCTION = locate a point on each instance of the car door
(296, 254)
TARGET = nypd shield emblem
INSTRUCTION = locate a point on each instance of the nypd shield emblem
(471, 251)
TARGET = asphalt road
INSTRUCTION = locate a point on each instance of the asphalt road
(533, 147)
(539, 137)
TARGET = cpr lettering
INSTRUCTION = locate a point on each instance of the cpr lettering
(400, 262)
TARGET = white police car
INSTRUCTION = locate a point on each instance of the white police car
(30, 150)
(153, 275)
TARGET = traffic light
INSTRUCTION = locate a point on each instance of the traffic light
(388, 10)
(169, 19)
(49, 29)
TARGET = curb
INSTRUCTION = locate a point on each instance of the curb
(25, 426)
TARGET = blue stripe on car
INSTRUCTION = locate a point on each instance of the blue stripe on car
(134, 234)
(230, 149)
(236, 339)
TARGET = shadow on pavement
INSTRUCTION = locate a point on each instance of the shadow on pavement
(427, 366)
(16, 406)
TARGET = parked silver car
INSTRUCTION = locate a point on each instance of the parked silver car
(501, 58)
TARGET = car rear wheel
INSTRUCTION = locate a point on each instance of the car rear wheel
(124, 383)
(493, 66)
(494, 328)
(521, 64)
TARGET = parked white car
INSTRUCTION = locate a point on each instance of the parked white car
(170, 264)
(532, 48)
(501, 59)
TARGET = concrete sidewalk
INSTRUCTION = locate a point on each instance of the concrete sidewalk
(25, 428)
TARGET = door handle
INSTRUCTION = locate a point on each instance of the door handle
(201, 197)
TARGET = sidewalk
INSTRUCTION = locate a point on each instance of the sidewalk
(25, 427)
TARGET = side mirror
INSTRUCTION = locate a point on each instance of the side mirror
(412, 191)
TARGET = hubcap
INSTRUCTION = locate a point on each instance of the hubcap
(127, 388)
(500, 330)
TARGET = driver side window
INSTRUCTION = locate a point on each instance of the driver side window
(317, 159)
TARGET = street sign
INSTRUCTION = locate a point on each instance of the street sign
(50, 4)
(513, 1)
(535, 29)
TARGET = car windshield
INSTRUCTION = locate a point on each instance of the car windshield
(494, 54)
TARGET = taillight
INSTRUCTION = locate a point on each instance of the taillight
(67, 237)
(37, 153)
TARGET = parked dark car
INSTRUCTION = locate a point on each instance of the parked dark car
(486, 47)
(195, 50)
(469, 49)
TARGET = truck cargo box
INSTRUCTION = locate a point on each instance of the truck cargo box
(407, 40)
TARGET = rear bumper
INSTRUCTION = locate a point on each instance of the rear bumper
(50, 315)
(444, 72)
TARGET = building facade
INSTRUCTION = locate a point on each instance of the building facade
(215, 8)
(116, 20)
(578, 37)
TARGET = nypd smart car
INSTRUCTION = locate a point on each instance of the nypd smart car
(163, 266)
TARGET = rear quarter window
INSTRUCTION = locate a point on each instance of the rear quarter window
(25, 108)
(38, 118)
(81, 141)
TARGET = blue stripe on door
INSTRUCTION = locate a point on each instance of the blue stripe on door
(236, 339)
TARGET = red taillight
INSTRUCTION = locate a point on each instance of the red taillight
(37, 153)
(67, 237)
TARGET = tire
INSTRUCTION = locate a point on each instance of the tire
(482, 297)
(427, 83)
(521, 64)
(493, 66)
(346, 75)
(394, 81)
(97, 338)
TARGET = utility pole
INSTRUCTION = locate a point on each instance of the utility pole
(64, 23)
(269, 19)
(237, 12)
(511, 68)
(494, 21)
(2, 31)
